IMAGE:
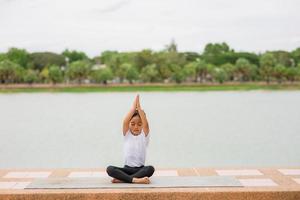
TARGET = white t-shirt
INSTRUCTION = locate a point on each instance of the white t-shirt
(135, 149)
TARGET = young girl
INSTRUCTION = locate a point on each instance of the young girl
(136, 139)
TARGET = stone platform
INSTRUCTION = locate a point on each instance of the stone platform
(259, 183)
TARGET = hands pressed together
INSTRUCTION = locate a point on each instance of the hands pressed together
(136, 103)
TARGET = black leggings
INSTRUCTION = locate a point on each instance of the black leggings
(127, 173)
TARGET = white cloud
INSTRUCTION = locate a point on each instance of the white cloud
(96, 25)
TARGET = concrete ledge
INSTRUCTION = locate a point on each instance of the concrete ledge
(168, 194)
(282, 184)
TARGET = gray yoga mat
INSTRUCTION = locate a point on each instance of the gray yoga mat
(156, 182)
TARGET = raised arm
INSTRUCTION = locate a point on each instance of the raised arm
(128, 116)
(143, 116)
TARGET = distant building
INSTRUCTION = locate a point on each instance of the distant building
(98, 66)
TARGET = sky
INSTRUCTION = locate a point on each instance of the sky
(94, 26)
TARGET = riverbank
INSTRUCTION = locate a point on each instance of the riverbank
(159, 87)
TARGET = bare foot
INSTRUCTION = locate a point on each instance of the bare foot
(114, 180)
(144, 180)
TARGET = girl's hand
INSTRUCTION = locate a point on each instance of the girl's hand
(138, 105)
(134, 106)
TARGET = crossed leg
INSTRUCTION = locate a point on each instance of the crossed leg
(130, 174)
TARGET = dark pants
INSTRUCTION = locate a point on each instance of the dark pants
(127, 173)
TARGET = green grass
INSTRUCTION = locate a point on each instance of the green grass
(157, 88)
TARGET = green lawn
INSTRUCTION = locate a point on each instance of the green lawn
(158, 88)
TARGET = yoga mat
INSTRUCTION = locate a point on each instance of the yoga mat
(156, 182)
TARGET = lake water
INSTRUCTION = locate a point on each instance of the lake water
(188, 129)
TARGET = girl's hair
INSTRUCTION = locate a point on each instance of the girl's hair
(136, 113)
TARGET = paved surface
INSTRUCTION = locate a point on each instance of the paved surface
(262, 183)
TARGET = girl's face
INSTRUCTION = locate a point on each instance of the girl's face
(135, 125)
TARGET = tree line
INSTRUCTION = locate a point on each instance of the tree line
(217, 63)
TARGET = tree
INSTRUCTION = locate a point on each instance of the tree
(232, 57)
(102, 75)
(190, 70)
(216, 48)
(9, 72)
(143, 58)
(220, 75)
(149, 73)
(20, 71)
(267, 63)
(243, 69)
(292, 73)
(132, 74)
(3, 56)
(79, 70)
(178, 74)
(74, 55)
(55, 74)
(40, 60)
(296, 56)
(202, 69)
(106, 56)
(31, 76)
(213, 51)
(111, 59)
(44, 75)
(122, 71)
(230, 70)
(19, 56)
(284, 58)
(164, 61)
(210, 71)
(191, 56)
(279, 72)
(253, 72)
(172, 47)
